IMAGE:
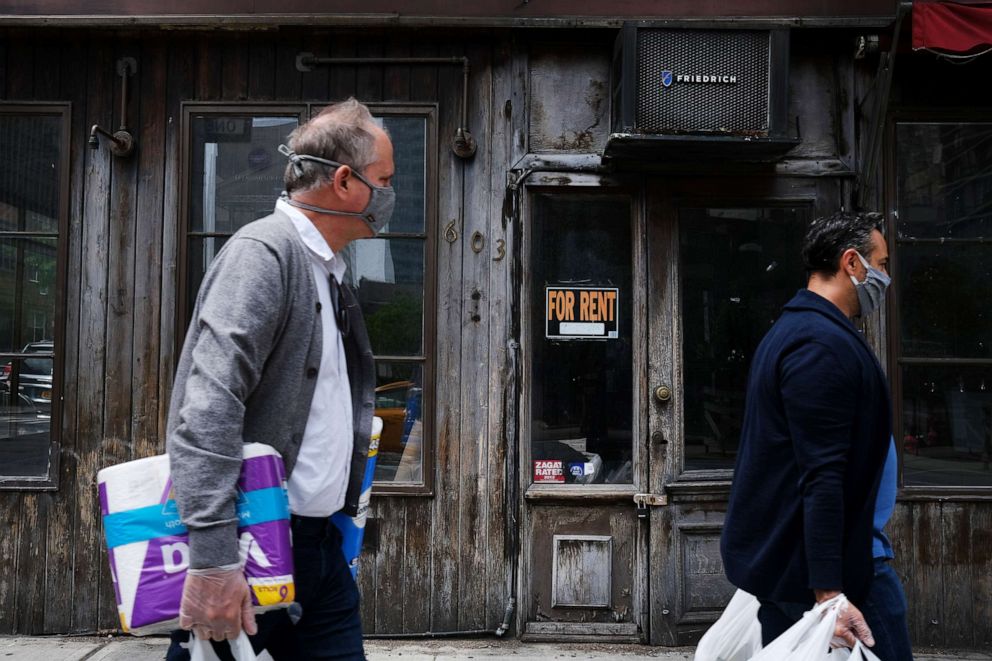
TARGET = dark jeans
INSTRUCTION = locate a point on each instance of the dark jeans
(884, 610)
(330, 627)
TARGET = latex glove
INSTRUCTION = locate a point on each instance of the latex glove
(851, 625)
(216, 603)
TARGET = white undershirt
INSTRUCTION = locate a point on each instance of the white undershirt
(319, 480)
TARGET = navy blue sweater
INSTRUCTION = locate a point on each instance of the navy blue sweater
(816, 429)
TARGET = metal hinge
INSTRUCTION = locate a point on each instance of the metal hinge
(642, 501)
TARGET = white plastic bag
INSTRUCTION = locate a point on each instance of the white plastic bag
(736, 636)
(809, 638)
(859, 653)
(201, 650)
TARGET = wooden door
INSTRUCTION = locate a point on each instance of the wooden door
(583, 441)
(723, 258)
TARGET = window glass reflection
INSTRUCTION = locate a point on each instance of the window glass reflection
(30, 165)
(947, 425)
(944, 290)
(944, 180)
(945, 294)
(388, 278)
(739, 267)
(582, 389)
(409, 137)
(28, 271)
(236, 170)
(399, 402)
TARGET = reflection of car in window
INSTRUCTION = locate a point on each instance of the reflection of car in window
(34, 377)
(391, 406)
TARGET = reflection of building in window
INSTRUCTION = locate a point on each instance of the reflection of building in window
(38, 330)
(8, 258)
(944, 290)
(30, 205)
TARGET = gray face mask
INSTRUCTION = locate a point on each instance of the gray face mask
(376, 213)
(871, 292)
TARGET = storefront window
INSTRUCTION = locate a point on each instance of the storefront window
(943, 285)
(236, 175)
(32, 153)
(582, 320)
(739, 267)
(388, 273)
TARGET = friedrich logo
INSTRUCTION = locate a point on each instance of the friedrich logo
(668, 78)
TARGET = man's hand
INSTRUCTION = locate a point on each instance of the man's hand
(851, 625)
(217, 604)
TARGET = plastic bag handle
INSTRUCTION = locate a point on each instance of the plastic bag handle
(202, 650)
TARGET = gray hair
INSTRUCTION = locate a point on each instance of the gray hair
(341, 133)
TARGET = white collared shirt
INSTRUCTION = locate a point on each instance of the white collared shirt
(319, 480)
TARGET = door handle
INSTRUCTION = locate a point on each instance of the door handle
(663, 394)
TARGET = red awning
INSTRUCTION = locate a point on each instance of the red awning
(952, 27)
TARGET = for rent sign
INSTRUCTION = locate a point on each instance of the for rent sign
(581, 313)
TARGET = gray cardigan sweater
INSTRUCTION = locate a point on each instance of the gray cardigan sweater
(247, 374)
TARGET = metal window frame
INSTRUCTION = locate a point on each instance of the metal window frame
(63, 110)
(894, 360)
(305, 110)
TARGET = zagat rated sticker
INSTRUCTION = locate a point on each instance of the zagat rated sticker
(548, 470)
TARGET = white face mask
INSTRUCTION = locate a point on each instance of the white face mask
(871, 292)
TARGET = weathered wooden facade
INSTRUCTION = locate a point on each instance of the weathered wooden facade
(475, 540)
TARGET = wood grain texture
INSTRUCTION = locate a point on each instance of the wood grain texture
(506, 118)
(93, 343)
(64, 512)
(149, 230)
(446, 554)
(473, 473)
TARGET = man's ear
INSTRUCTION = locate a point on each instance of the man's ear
(342, 177)
(849, 260)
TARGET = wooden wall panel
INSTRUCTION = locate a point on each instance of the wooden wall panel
(288, 80)
(181, 77)
(149, 230)
(234, 73)
(445, 556)
(92, 339)
(957, 621)
(507, 120)
(314, 83)
(473, 289)
(261, 71)
(418, 544)
(981, 570)
(20, 69)
(60, 557)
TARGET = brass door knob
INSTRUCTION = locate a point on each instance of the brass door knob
(663, 393)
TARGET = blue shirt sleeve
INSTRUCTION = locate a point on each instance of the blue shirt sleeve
(885, 502)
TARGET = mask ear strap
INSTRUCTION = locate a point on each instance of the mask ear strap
(297, 160)
(293, 158)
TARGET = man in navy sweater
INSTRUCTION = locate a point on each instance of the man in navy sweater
(814, 442)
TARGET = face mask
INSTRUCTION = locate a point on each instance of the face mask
(871, 292)
(376, 213)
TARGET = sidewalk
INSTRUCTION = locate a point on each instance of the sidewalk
(148, 649)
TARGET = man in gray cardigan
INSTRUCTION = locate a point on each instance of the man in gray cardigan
(277, 353)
